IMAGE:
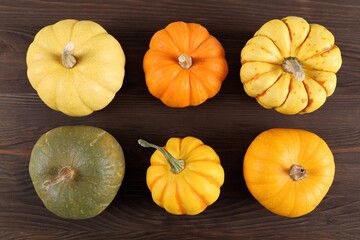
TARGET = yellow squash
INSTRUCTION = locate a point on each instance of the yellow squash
(76, 67)
(289, 171)
(185, 176)
(290, 65)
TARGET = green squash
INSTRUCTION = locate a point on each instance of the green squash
(77, 170)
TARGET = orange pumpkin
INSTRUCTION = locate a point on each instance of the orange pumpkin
(289, 171)
(184, 65)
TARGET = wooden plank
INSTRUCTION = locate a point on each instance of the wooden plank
(227, 122)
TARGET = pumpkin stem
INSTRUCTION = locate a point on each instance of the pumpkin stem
(185, 61)
(65, 173)
(297, 172)
(292, 65)
(176, 164)
(68, 59)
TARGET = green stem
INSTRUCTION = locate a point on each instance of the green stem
(176, 165)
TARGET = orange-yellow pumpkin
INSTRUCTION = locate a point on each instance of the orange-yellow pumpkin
(289, 171)
(185, 176)
(184, 65)
(289, 65)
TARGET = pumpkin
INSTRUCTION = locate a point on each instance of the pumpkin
(289, 171)
(289, 65)
(184, 65)
(76, 67)
(77, 170)
(185, 176)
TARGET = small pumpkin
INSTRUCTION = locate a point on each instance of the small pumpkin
(184, 65)
(289, 171)
(76, 67)
(185, 176)
(77, 170)
(289, 65)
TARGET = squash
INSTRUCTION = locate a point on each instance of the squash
(76, 67)
(185, 176)
(184, 65)
(289, 171)
(289, 65)
(77, 170)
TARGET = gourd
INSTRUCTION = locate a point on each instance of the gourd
(289, 65)
(184, 65)
(289, 171)
(76, 67)
(77, 170)
(185, 176)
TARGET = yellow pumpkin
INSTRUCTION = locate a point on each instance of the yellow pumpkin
(76, 67)
(289, 171)
(185, 176)
(289, 65)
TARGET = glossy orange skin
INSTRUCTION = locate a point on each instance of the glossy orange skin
(266, 170)
(174, 85)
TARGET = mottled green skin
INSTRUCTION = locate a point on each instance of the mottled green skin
(99, 165)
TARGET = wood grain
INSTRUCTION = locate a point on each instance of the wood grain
(228, 123)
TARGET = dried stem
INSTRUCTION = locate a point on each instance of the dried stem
(65, 173)
(293, 66)
(68, 59)
(297, 172)
(185, 61)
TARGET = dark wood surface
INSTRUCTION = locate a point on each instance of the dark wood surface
(228, 123)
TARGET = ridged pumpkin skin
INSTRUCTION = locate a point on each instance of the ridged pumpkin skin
(265, 78)
(270, 159)
(195, 187)
(98, 166)
(180, 87)
(88, 86)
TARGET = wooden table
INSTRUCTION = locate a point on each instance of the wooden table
(227, 122)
